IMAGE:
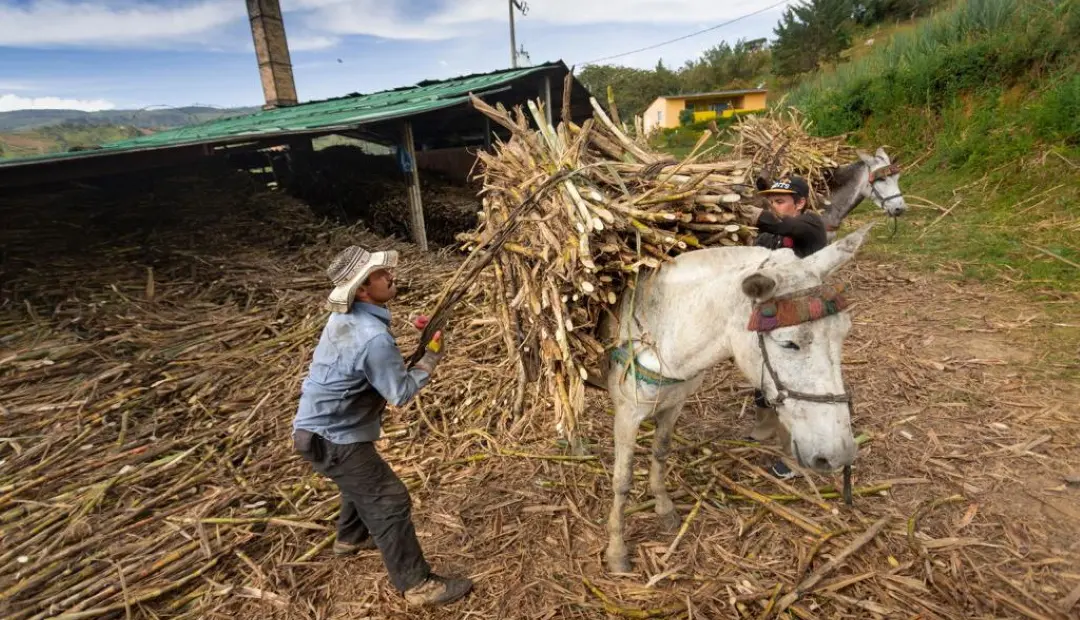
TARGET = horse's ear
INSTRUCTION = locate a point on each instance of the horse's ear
(882, 155)
(828, 260)
(758, 286)
(867, 158)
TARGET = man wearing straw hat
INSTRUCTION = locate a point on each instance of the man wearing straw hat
(787, 224)
(356, 369)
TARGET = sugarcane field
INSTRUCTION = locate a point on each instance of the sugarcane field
(518, 344)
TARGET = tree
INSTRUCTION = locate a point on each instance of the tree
(724, 66)
(811, 33)
(743, 65)
(634, 89)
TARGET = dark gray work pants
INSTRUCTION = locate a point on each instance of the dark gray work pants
(374, 502)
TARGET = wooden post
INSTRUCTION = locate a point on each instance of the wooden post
(416, 205)
(547, 99)
(487, 134)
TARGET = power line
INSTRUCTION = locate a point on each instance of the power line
(692, 34)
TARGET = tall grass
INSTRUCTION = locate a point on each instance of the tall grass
(977, 44)
(986, 95)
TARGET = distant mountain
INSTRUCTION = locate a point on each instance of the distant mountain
(22, 120)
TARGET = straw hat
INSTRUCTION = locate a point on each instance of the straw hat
(349, 270)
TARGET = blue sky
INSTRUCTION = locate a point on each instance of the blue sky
(101, 54)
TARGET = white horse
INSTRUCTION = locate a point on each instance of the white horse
(693, 313)
(874, 177)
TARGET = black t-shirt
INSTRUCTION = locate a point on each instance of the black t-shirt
(803, 233)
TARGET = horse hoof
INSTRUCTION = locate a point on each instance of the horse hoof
(618, 565)
(670, 521)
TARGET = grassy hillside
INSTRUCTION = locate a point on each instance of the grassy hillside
(982, 104)
(61, 138)
(22, 120)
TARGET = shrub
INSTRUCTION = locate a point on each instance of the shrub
(972, 51)
(1057, 113)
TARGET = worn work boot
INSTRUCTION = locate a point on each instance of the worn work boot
(438, 591)
(344, 548)
(781, 470)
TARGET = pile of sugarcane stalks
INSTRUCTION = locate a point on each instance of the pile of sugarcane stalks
(348, 184)
(620, 209)
(152, 342)
(779, 143)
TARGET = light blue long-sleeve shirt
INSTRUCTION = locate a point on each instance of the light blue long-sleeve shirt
(356, 369)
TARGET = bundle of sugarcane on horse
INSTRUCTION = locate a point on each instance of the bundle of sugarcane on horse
(770, 308)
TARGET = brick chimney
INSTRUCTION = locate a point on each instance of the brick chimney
(272, 51)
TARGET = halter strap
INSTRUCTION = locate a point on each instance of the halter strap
(877, 174)
(783, 393)
(622, 355)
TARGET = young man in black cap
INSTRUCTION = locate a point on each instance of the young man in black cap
(786, 225)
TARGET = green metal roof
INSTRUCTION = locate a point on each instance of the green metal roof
(343, 112)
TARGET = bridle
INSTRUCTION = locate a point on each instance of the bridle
(783, 393)
(795, 308)
(877, 174)
(872, 177)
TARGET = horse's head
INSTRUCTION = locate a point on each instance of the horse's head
(874, 177)
(883, 181)
(793, 351)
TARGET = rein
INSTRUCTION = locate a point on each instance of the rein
(800, 307)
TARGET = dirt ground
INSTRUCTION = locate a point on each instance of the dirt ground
(969, 397)
(149, 365)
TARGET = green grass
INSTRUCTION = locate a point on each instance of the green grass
(977, 44)
(680, 141)
(986, 96)
(999, 225)
(60, 138)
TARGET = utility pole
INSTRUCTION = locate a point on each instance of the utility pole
(522, 6)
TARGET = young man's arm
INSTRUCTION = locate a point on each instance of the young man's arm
(802, 226)
(805, 229)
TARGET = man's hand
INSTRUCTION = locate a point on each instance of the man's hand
(432, 354)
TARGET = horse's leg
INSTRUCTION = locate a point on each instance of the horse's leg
(626, 427)
(665, 425)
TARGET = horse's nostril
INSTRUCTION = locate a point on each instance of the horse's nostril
(821, 463)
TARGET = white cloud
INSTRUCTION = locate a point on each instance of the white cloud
(14, 86)
(320, 24)
(458, 18)
(308, 43)
(112, 23)
(10, 102)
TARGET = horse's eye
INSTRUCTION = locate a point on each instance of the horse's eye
(790, 345)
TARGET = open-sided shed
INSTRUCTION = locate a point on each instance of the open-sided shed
(429, 115)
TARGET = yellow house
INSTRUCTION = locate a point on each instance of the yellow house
(664, 112)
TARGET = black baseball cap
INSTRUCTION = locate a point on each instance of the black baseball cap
(795, 186)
